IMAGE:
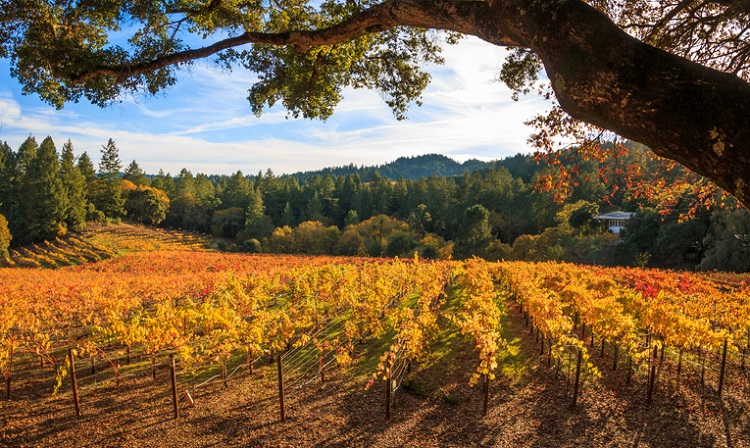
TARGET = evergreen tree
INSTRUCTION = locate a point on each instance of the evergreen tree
(257, 224)
(184, 184)
(381, 193)
(110, 164)
(275, 194)
(237, 191)
(287, 218)
(5, 237)
(204, 188)
(727, 241)
(352, 219)
(9, 182)
(86, 167)
(135, 174)
(316, 209)
(165, 183)
(107, 195)
(5, 153)
(26, 153)
(398, 205)
(474, 233)
(15, 165)
(43, 194)
(74, 183)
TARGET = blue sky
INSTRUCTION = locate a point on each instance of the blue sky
(205, 124)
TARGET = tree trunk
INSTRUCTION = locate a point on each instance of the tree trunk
(683, 111)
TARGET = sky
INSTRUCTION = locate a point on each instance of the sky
(204, 122)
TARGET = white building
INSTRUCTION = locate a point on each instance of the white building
(615, 221)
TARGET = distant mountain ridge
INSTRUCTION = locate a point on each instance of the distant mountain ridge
(411, 168)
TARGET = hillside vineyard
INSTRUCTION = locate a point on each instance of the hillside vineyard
(212, 311)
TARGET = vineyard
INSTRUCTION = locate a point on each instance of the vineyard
(101, 242)
(347, 351)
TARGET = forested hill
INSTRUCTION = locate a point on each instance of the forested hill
(507, 209)
(410, 168)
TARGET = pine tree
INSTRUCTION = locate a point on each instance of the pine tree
(75, 185)
(8, 179)
(257, 223)
(107, 193)
(5, 238)
(287, 218)
(237, 191)
(10, 183)
(110, 164)
(86, 167)
(204, 188)
(185, 183)
(44, 199)
(315, 208)
(135, 174)
(26, 153)
(165, 183)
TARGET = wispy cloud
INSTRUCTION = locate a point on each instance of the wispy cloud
(204, 123)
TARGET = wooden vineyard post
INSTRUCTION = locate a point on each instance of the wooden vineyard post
(116, 369)
(153, 366)
(630, 370)
(723, 366)
(9, 374)
(388, 393)
(679, 365)
(549, 354)
(93, 364)
(224, 373)
(486, 395)
(249, 362)
(74, 382)
(541, 351)
(614, 364)
(173, 374)
(320, 369)
(127, 352)
(652, 376)
(578, 378)
(281, 391)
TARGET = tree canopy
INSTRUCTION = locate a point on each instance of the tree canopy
(672, 74)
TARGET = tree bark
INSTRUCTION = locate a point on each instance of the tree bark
(683, 111)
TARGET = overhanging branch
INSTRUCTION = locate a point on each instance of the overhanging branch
(452, 15)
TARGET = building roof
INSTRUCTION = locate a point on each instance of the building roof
(615, 215)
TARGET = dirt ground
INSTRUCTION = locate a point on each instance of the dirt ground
(435, 407)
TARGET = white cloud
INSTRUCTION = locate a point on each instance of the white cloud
(10, 110)
(205, 124)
